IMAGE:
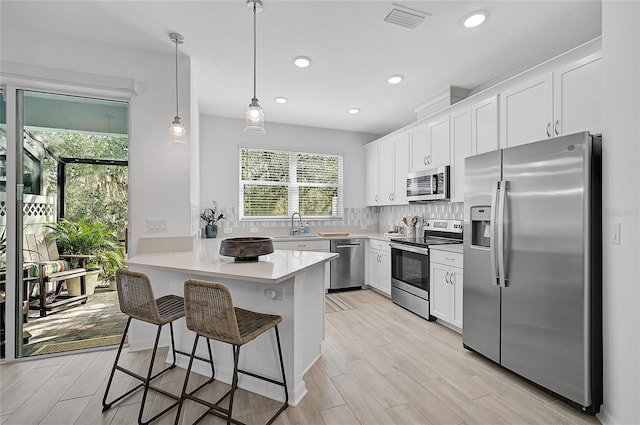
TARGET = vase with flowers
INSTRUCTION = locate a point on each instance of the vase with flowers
(211, 217)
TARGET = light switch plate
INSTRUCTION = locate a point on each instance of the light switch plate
(253, 230)
(228, 229)
(363, 227)
(157, 226)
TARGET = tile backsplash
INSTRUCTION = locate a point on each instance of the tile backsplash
(392, 215)
(376, 219)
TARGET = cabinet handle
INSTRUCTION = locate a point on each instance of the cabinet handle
(450, 259)
(390, 197)
(548, 129)
(429, 159)
(446, 278)
(424, 161)
(376, 198)
(451, 278)
(556, 127)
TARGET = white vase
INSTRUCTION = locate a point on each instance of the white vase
(91, 281)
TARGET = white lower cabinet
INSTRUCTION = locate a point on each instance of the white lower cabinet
(318, 245)
(446, 287)
(379, 260)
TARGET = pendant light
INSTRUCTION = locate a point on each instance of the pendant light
(254, 118)
(177, 132)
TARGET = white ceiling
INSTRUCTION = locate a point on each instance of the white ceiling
(352, 49)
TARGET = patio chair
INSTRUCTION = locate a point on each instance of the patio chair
(50, 270)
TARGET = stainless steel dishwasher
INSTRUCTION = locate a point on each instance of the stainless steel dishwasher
(347, 272)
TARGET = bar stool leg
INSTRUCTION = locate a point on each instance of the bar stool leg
(149, 374)
(186, 378)
(105, 405)
(234, 382)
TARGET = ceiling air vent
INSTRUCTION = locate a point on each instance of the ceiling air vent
(405, 17)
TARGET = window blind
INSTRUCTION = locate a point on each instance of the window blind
(275, 184)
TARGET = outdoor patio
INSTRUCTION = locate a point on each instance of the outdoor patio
(97, 323)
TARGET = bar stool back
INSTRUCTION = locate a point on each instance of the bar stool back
(210, 313)
(136, 299)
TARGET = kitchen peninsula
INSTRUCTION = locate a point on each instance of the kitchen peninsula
(287, 283)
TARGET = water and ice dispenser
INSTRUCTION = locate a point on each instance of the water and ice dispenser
(481, 226)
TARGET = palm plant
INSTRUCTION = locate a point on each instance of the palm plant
(89, 238)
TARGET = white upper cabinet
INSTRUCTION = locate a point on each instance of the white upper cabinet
(387, 169)
(564, 101)
(373, 180)
(577, 97)
(526, 111)
(419, 148)
(461, 147)
(401, 164)
(387, 172)
(430, 144)
(484, 125)
(439, 141)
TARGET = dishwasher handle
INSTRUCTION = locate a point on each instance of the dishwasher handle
(351, 245)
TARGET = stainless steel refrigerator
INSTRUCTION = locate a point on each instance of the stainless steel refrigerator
(532, 263)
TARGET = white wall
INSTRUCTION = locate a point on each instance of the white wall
(621, 198)
(221, 138)
(159, 175)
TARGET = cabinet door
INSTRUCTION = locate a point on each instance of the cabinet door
(456, 278)
(438, 142)
(577, 96)
(439, 291)
(460, 149)
(380, 270)
(401, 163)
(372, 183)
(385, 271)
(386, 161)
(526, 112)
(419, 148)
(484, 126)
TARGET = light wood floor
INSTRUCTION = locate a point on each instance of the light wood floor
(380, 365)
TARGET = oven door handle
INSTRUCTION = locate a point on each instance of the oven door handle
(403, 247)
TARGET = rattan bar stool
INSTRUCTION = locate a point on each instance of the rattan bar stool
(210, 313)
(136, 299)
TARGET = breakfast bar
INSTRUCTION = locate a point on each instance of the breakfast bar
(287, 283)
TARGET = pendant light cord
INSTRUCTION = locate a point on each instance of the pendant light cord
(176, 41)
(254, 49)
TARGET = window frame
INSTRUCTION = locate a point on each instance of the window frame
(293, 186)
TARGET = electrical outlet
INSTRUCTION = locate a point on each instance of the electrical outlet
(274, 293)
(363, 227)
(157, 226)
(228, 229)
(253, 230)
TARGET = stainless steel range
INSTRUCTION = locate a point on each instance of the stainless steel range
(410, 264)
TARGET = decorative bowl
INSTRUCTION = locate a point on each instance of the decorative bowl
(246, 249)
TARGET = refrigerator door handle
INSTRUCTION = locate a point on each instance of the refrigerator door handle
(492, 223)
(502, 195)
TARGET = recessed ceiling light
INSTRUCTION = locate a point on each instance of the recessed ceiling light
(302, 61)
(395, 79)
(475, 19)
(354, 111)
(281, 99)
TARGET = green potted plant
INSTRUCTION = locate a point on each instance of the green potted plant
(211, 217)
(89, 238)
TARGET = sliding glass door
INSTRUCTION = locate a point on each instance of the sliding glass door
(71, 169)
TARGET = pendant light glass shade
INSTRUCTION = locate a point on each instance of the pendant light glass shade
(254, 118)
(177, 131)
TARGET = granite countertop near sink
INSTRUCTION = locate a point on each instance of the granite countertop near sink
(455, 247)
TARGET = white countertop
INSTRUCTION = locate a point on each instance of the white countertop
(315, 237)
(456, 247)
(205, 260)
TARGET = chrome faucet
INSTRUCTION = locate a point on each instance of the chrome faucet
(295, 230)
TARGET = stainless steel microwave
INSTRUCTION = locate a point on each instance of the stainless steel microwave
(428, 185)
